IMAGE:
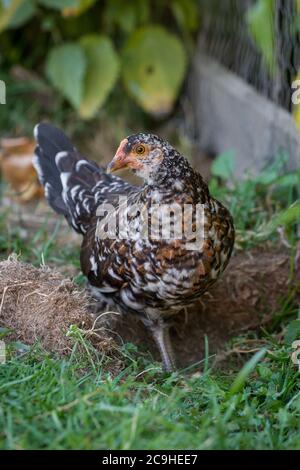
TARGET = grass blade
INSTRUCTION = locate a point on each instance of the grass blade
(242, 376)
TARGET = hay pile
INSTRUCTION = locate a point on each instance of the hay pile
(41, 304)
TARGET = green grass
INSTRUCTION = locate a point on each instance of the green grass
(74, 403)
(256, 201)
(49, 403)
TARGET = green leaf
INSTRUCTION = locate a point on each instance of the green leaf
(59, 4)
(101, 74)
(289, 180)
(154, 65)
(4, 332)
(126, 16)
(271, 173)
(224, 165)
(261, 22)
(65, 67)
(121, 14)
(20, 347)
(186, 13)
(23, 14)
(293, 332)
(285, 218)
(81, 7)
(16, 13)
(244, 373)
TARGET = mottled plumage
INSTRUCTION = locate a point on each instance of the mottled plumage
(153, 278)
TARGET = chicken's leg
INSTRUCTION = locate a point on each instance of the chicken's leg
(161, 335)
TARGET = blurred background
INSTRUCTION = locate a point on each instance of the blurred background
(97, 68)
(102, 69)
(215, 78)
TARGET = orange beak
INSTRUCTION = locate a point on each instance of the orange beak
(121, 159)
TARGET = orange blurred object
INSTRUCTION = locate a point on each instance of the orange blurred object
(17, 168)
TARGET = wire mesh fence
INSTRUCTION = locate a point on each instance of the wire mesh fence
(257, 39)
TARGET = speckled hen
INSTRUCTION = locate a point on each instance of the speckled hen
(152, 276)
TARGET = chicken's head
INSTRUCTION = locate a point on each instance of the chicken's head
(141, 153)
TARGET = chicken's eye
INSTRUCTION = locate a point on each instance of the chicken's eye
(140, 149)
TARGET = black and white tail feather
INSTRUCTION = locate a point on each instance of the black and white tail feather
(74, 186)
